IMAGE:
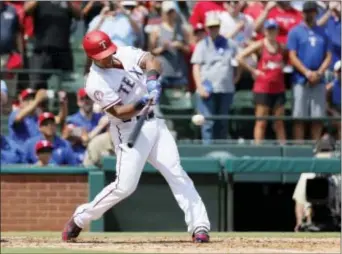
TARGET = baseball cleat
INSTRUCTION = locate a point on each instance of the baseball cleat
(200, 236)
(70, 231)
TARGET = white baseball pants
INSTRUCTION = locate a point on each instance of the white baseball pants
(156, 145)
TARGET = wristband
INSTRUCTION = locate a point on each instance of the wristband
(152, 75)
(139, 105)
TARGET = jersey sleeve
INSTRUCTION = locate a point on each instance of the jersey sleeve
(130, 56)
(101, 93)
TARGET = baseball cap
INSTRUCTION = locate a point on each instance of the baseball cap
(81, 93)
(270, 23)
(198, 27)
(337, 66)
(41, 144)
(310, 6)
(212, 20)
(168, 6)
(129, 3)
(27, 92)
(45, 116)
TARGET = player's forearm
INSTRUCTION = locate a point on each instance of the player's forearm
(123, 111)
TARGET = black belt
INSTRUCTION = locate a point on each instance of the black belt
(148, 117)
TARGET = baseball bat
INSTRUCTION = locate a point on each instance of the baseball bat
(137, 128)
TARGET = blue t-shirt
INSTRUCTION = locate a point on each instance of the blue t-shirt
(311, 45)
(62, 153)
(333, 30)
(24, 130)
(80, 121)
(79, 152)
(88, 124)
(336, 92)
(11, 153)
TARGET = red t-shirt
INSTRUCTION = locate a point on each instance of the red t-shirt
(203, 8)
(286, 19)
(271, 64)
(254, 10)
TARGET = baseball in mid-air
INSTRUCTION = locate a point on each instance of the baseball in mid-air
(198, 119)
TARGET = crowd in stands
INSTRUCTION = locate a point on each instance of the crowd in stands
(211, 49)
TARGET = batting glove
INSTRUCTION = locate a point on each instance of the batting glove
(153, 85)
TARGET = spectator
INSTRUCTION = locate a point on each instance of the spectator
(44, 150)
(205, 9)
(23, 121)
(115, 21)
(62, 153)
(214, 77)
(52, 23)
(310, 54)
(334, 97)
(240, 26)
(90, 9)
(84, 125)
(331, 20)
(171, 44)
(269, 85)
(154, 17)
(98, 147)
(11, 42)
(284, 14)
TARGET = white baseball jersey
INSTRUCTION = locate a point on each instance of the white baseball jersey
(111, 86)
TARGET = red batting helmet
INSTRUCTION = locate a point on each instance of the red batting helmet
(98, 45)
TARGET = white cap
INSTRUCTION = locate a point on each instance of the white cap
(212, 20)
(168, 6)
(129, 3)
(337, 66)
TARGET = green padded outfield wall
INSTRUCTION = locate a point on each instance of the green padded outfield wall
(152, 206)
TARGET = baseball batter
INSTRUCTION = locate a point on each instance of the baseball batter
(122, 80)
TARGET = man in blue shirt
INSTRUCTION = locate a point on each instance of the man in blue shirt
(23, 122)
(62, 153)
(310, 55)
(84, 125)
